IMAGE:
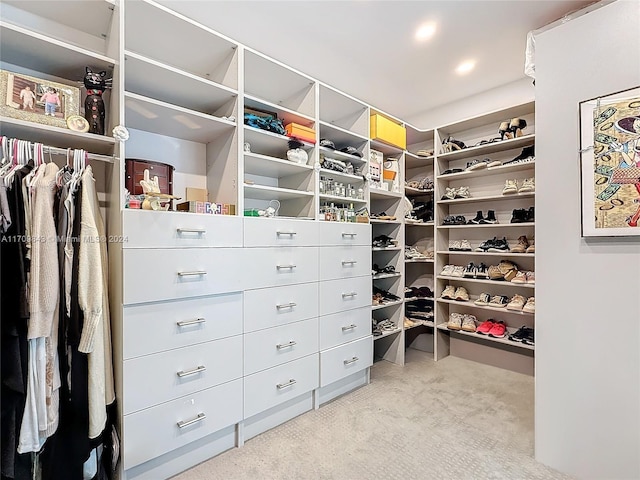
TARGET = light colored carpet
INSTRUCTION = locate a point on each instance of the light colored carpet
(453, 419)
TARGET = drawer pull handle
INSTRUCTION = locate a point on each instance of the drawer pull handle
(353, 360)
(192, 274)
(199, 231)
(280, 346)
(349, 262)
(291, 234)
(349, 327)
(186, 323)
(344, 234)
(201, 416)
(198, 369)
(285, 267)
(286, 305)
(348, 295)
(280, 386)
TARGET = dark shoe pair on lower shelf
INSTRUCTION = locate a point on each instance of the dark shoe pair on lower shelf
(523, 215)
(480, 219)
(494, 245)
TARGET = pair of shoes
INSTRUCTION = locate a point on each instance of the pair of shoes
(527, 155)
(424, 153)
(452, 293)
(383, 216)
(523, 215)
(485, 299)
(452, 271)
(454, 220)
(511, 186)
(477, 164)
(412, 253)
(482, 220)
(476, 271)
(494, 245)
(512, 129)
(505, 270)
(449, 171)
(418, 292)
(519, 304)
(450, 144)
(460, 321)
(459, 246)
(381, 326)
(524, 277)
(493, 328)
(454, 193)
(382, 241)
(386, 295)
(524, 246)
(387, 269)
(524, 334)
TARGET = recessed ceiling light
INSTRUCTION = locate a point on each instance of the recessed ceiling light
(465, 67)
(425, 31)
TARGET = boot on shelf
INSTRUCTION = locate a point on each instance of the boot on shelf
(491, 217)
(479, 219)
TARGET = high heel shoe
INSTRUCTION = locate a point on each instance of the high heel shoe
(516, 126)
(504, 131)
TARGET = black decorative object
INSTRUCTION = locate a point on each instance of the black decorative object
(94, 111)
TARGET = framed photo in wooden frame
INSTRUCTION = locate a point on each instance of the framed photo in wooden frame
(610, 164)
(36, 100)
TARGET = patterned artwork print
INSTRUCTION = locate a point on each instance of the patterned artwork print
(617, 164)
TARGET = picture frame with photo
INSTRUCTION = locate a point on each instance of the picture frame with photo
(36, 100)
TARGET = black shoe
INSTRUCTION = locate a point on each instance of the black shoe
(520, 334)
(470, 271)
(519, 215)
(486, 245)
(499, 246)
(461, 220)
(478, 220)
(382, 241)
(491, 217)
(530, 215)
(482, 271)
(527, 155)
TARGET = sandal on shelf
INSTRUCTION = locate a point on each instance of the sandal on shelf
(383, 216)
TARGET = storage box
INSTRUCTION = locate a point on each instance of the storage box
(387, 131)
(376, 161)
(207, 208)
(301, 132)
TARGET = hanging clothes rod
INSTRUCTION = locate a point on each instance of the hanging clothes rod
(90, 156)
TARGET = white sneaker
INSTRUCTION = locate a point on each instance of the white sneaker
(465, 246)
(528, 185)
(462, 192)
(449, 292)
(530, 306)
(454, 245)
(447, 271)
(510, 186)
(458, 271)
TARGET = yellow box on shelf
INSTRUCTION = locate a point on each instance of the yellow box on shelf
(388, 131)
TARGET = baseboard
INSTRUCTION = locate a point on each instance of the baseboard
(276, 416)
(345, 385)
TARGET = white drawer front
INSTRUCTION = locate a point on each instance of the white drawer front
(272, 307)
(157, 378)
(272, 267)
(344, 262)
(149, 229)
(275, 346)
(162, 274)
(155, 431)
(342, 361)
(271, 387)
(344, 327)
(339, 295)
(157, 327)
(274, 232)
(334, 233)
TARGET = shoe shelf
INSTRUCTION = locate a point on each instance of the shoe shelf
(491, 282)
(341, 176)
(377, 193)
(335, 198)
(490, 225)
(150, 115)
(386, 334)
(419, 224)
(419, 260)
(489, 198)
(338, 155)
(264, 192)
(420, 323)
(483, 172)
(512, 143)
(379, 276)
(268, 166)
(416, 192)
(386, 249)
(470, 304)
(268, 143)
(413, 299)
(386, 149)
(411, 160)
(487, 254)
(285, 114)
(503, 341)
(388, 304)
(377, 220)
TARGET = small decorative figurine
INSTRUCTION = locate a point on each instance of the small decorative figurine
(94, 112)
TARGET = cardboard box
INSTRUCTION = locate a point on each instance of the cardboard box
(387, 131)
(197, 194)
(301, 132)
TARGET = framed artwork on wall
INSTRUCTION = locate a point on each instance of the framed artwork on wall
(36, 100)
(610, 165)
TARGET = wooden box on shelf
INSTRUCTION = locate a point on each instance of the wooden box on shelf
(135, 172)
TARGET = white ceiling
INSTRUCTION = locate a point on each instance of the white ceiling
(366, 48)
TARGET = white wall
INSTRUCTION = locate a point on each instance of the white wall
(588, 292)
(514, 93)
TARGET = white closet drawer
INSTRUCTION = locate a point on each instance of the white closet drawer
(272, 267)
(344, 327)
(164, 326)
(277, 385)
(155, 379)
(275, 346)
(148, 229)
(335, 233)
(342, 361)
(162, 274)
(344, 262)
(348, 294)
(274, 232)
(272, 307)
(155, 431)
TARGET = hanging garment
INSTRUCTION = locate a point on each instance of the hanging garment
(5, 213)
